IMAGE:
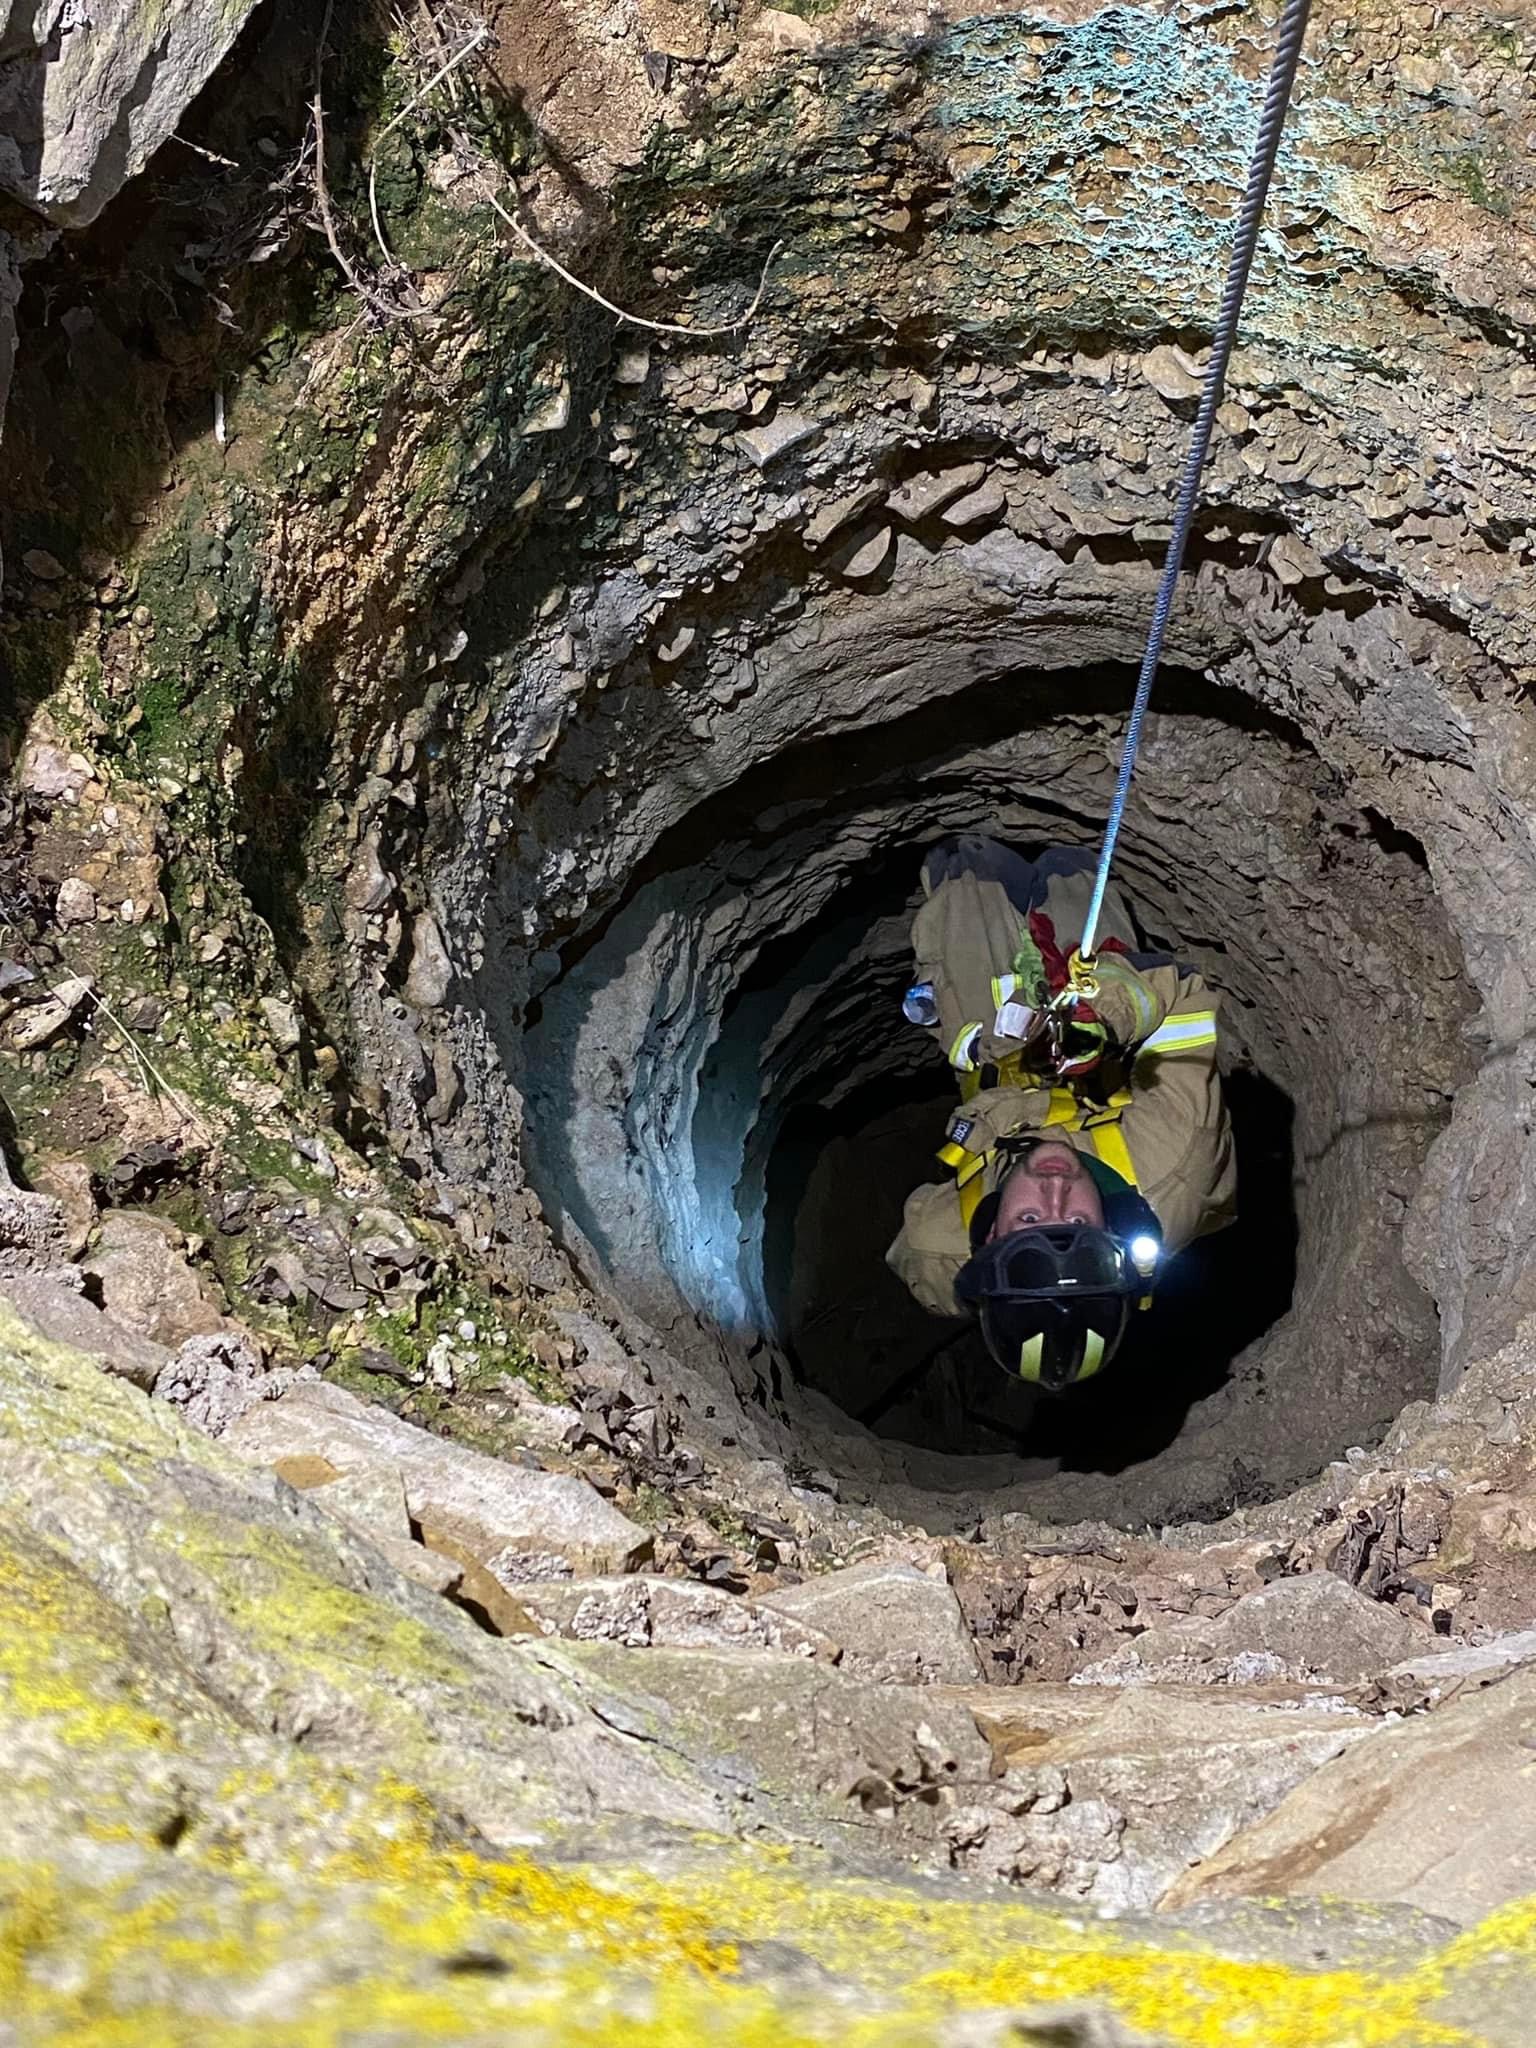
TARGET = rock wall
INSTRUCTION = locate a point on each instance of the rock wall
(470, 754)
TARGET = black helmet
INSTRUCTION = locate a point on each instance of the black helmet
(1054, 1302)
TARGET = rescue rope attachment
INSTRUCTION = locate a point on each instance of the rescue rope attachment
(1277, 99)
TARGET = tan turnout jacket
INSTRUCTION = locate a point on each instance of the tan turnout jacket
(1176, 1137)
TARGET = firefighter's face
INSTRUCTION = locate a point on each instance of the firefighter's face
(1051, 1186)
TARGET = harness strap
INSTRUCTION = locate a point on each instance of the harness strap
(1067, 1112)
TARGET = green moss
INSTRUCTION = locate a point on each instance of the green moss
(1484, 181)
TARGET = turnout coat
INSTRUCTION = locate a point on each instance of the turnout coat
(1151, 1107)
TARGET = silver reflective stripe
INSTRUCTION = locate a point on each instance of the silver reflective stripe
(962, 1054)
(1181, 1034)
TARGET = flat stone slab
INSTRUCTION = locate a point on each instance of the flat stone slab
(894, 1621)
(644, 1610)
(1310, 1626)
(846, 1756)
(1437, 1812)
(510, 1518)
(1112, 1796)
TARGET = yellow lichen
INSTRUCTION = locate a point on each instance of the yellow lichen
(303, 1901)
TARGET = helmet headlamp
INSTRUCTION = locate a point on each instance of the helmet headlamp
(1144, 1250)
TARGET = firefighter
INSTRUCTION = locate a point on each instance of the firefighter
(1091, 1141)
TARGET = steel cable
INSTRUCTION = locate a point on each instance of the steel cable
(1277, 99)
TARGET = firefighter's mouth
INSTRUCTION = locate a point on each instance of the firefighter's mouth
(1055, 1159)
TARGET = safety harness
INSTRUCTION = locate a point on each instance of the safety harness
(1068, 1110)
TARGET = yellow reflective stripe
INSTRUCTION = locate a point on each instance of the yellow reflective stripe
(953, 1154)
(1109, 1143)
(1004, 987)
(960, 1051)
(1065, 1109)
(975, 1163)
(970, 1197)
(1125, 976)
(1012, 1072)
(1182, 1034)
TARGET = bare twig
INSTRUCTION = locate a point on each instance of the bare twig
(618, 312)
(211, 154)
(147, 1068)
(150, 1072)
(384, 308)
(375, 301)
(443, 71)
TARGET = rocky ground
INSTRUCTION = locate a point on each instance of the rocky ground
(464, 765)
(539, 1718)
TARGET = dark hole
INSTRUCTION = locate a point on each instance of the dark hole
(173, 1830)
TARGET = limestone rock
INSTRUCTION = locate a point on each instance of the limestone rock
(553, 412)
(193, 1654)
(1309, 1626)
(1183, 1771)
(54, 1306)
(976, 507)
(1293, 561)
(53, 772)
(367, 886)
(841, 512)
(865, 556)
(67, 1183)
(431, 971)
(674, 1614)
(784, 31)
(146, 1282)
(38, 1022)
(87, 95)
(1443, 1666)
(1438, 1812)
(1171, 374)
(765, 445)
(76, 901)
(924, 495)
(214, 1379)
(282, 1021)
(1052, 1845)
(498, 1512)
(891, 1619)
(791, 1727)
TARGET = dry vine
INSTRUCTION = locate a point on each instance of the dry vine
(444, 73)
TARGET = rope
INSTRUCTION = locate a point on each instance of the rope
(1282, 79)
